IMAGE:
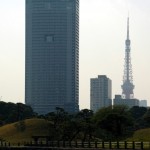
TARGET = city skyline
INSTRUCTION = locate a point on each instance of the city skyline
(102, 35)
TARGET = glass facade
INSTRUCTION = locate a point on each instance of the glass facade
(52, 55)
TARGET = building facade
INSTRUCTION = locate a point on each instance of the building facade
(143, 103)
(118, 100)
(52, 55)
(100, 92)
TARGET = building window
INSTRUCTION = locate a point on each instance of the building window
(49, 38)
(48, 5)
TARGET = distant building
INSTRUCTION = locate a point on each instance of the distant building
(118, 100)
(143, 103)
(52, 55)
(100, 92)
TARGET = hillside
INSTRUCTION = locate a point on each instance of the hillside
(141, 135)
(20, 132)
(23, 131)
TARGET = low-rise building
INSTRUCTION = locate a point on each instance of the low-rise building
(118, 100)
(143, 103)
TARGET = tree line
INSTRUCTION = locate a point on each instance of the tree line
(110, 123)
(11, 112)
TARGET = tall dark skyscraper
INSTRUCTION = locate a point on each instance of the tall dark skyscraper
(127, 87)
(52, 55)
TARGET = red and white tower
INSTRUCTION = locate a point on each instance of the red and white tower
(127, 86)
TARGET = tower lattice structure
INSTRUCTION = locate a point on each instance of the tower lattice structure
(127, 86)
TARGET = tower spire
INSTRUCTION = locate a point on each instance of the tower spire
(128, 28)
(127, 87)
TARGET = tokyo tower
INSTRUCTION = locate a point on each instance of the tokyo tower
(127, 86)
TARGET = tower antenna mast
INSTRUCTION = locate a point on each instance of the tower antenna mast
(127, 86)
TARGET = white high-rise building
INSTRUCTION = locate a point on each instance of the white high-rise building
(100, 92)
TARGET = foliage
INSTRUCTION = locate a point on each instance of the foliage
(137, 112)
(110, 123)
(58, 120)
(114, 122)
(40, 127)
(87, 127)
(65, 126)
(146, 117)
(10, 112)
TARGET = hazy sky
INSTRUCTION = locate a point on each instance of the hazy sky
(102, 46)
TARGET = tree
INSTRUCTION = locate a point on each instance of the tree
(64, 126)
(57, 123)
(113, 121)
(137, 113)
(146, 118)
(10, 112)
(87, 127)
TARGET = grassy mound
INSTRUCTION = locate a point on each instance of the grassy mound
(141, 135)
(24, 130)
